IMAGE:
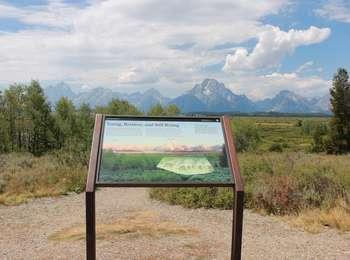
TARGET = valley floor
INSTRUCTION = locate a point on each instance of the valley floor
(136, 227)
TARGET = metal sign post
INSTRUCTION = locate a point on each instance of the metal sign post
(94, 168)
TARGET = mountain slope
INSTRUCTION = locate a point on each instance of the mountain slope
(218, 98)
(96, 97)
(55, 92)
(144, 101)
(322, 104)
(188, 103)
(285, 102)
(208, 96)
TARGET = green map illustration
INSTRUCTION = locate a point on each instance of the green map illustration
(186, 165)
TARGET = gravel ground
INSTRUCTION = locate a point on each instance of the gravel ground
(25, 230)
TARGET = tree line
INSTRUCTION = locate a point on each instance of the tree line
(335, 138)
(29, 123)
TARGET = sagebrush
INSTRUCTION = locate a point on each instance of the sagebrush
(277, 183)
(23, 176)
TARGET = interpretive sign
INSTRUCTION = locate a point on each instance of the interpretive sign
(159, 151)
(129, 151)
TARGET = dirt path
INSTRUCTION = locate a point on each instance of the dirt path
(156, 231)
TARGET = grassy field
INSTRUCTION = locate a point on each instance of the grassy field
(307, 189)
(23, 177)
(293, 133)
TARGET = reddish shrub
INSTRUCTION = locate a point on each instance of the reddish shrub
(276, 194)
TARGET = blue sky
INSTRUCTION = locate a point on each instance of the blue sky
(329, 55)
(256, 47)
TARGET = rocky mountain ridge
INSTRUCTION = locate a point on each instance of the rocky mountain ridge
(208, 96)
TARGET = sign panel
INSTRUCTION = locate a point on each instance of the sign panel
(142, 150)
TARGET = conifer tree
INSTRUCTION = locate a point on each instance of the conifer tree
(38, 113)
(65, 117)
(14, 98)
(85, 122)
(340, 105)
(4, 127)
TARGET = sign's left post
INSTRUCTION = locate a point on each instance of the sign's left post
(90, 226)
(90, 191)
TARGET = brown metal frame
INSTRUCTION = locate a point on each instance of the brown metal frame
(92, 181)
(238, 202)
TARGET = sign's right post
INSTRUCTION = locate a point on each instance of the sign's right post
(238, 200)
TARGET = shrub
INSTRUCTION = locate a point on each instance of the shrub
(72, 155)
(276, 194)
(309, 127)
(320, 190)
(24, 176)
(319, 139)
(281, 142)
(246, 135)
(276, 147)
(299, 123)
(276, 183)
(195, 197)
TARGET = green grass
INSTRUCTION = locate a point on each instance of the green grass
(283, 130)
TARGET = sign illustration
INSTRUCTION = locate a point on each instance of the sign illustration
(163, 151)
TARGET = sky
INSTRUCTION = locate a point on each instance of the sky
(256, 48)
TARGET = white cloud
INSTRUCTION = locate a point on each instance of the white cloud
(304, 80)
(338, 10)
(272, 46)
(307, 65)
(130, 44)
(102, 39)
(261, 86)
(135, 75)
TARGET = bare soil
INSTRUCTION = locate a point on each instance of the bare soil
(131, 226)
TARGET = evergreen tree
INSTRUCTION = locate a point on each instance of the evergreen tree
(85, 123)
(4, 127)
(40, 137)
(74, 131)
(65, 117)
(340, 104)
(13, 102)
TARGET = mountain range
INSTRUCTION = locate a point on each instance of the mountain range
(209, 96)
